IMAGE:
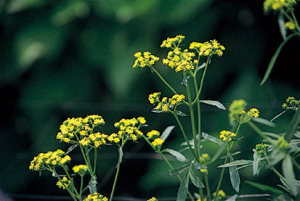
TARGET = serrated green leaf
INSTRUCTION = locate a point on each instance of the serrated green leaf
(219, 152)
(211, 138)
(263, 121)
(235, 163)
(183, 188)
(166, 132)
(274, 58)
(234, 177)
(288, 173)
(178, 171)
(180, 157)
(71, 148)
(232, 198)
(214, 103)
(179, 113)
(195, 179)
(120, 151)
(264, 187)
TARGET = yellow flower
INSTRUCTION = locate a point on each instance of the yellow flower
(95, 197)
(145, 59)
(63, 183)
(227, 136)
(157, 142)
(152, 199)
(289, 25)
(278, 4)
(153, 134)
(221, 194)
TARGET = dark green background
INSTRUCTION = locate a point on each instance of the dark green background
(71, 58)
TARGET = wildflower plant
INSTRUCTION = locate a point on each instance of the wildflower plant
(193, 63)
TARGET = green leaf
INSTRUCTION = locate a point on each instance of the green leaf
(179, 113)
(232, 198)
(166, 132)
(178, 171)
(256, 159)
(183, 188)
(235, 163)
(93, 184)
(288, 173)
(263, 121)
(274, 58)
(195, 180)
(214, 103)
(264, 187)
(219, 152)
(120, 156)
(71, 148)
(292, 127)
(211, 138)
(278, 115)
(198, 165)
(234, 177)
(281, 25)
(180, 157)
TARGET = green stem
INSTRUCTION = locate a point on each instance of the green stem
(220, 180)
(198, 116)
(81, 186)
(192, 115)
(172, 168)
(66, 187)
(184, 135)
(166, 83)
(207, 186)
(95, 160)
(115, 182)
(295, 163)
(201, 82)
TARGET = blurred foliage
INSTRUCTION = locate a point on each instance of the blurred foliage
(71, 58)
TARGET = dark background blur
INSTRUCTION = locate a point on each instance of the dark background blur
(71, 58)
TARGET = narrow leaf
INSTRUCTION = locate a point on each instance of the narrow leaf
(292, 127)
(219, 152)
(180, 157)
(202, 66)
(232, 198)
(183, 188)
(256, 159)
(235, 163)
(198, 165)
(264, 187)
(71, 148)
(211, 138)
(120, 156)
(234, 177)
(214, 103)
(274, 58)
(281, 25)
(179, 113)
(263, 121)
(166, 132)
(278, 115)
(195, 180)
(288, 172)
(177, 171)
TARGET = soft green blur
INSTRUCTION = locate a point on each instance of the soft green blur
(71, 58)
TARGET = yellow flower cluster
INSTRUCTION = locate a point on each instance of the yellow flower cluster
(172, 42)
(221, 194)
(153, 199)
(166, 104)
(180, 60)
(227, 136)
(128, 129)
(48, 160)
(81, 169)
(261, 149)
(145, 59)
(278, 4)
(80, 130)
(291, 103)
(290, 25)
(204, 159)
(237, 111)
(64, 183)
(282, 143)
(95, 197)
(154, 136)
(208, 48)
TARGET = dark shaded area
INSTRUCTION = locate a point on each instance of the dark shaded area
(63, 59)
